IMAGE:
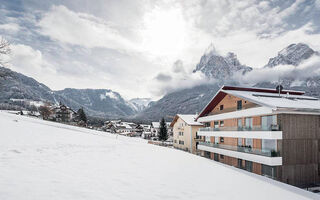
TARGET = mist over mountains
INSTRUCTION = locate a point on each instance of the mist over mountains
(296, 67)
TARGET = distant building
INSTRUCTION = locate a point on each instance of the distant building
(155, 128)
(146, 134)
(275, 133)
(184, 132)
(62, 113)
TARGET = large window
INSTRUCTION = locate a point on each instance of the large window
(239, 141)
(239, 105)
(249, 123)
(269, 171)
(248, 166)
(267, 121)
(249, 142)
(239, 123)
(269, 145)
(240, 163)
(216, 157)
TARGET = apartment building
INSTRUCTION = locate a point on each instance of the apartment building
(184, 132)
(265, 131)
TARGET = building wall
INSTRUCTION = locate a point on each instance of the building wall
(194, 130)
(300, 149)
(229, 103)
(189, 134)
(181, 126)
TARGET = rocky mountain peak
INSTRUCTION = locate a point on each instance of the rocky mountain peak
(218, 67)
(293, 54)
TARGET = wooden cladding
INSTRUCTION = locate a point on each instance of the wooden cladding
(230, 103)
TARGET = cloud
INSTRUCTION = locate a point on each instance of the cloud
(163, 77)
(10, 27)
(178, 67)
(308, 68)
(125, 45)
(75, 28)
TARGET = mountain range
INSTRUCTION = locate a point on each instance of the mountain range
(109, 104)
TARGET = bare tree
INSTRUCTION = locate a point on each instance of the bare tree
(4, 48)
(45, 111)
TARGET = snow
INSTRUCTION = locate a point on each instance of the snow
(273, 101)
(111, 95)
(190, 119)
(47, 160)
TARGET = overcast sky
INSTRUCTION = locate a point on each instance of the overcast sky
(139, 48)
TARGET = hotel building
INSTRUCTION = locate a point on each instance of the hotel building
(265, 131)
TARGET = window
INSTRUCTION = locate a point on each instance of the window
(181, 133)
(221, 123)
(216, 157)
(248, 166)
(181, 142)
(268, 171)
(216, 140)
(216, 124)
(221, 107)
(207, 139)
(267, 121)
(240, 163)
(269, 145)
(175, 141)
(221, 156)
(239, 123)
(221, 139)
(239, 105)
(249, 142)
(249, 123)
(239, 141)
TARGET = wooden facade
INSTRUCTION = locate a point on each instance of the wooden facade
(299, 148)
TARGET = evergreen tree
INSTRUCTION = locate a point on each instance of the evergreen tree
(82, 115)
(163, 132)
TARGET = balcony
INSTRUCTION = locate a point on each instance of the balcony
(255, 128)
(267, 157)
(243, 149)
(256, 132)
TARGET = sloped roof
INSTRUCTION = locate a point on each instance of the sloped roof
(287, 99)
(189, 119)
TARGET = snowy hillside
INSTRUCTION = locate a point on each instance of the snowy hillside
(139, 104)
(46, 160)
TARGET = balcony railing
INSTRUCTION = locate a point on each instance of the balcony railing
(244, 149)
(255, 128)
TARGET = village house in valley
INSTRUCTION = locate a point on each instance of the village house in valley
(62, 113)
(184, 132)
(155, 128)
(271, 132)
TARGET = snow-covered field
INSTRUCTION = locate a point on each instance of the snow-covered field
(46, 160)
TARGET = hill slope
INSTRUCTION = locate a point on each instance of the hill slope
(46, 160)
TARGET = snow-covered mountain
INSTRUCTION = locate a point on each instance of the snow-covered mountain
(293, 54)
(96, 102)
(100, 102)
(219, 67)
(139, 104)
